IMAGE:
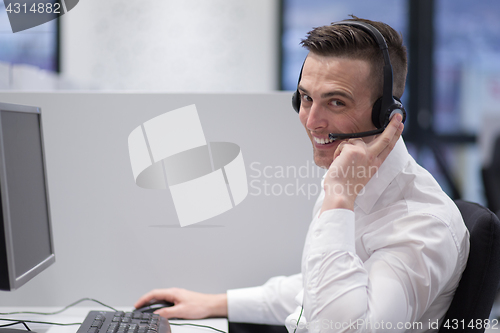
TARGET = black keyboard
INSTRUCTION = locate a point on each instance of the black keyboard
(123, 322)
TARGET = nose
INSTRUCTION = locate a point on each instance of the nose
(315, 117)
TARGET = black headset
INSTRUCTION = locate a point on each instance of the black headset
(384, 107)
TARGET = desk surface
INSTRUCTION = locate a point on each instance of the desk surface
(77, 315)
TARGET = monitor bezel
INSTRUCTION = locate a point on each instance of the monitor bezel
(16, 282)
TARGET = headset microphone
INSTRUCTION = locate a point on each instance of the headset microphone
(386, 106)
(343, 136)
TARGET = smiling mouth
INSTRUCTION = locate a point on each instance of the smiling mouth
(322, 141)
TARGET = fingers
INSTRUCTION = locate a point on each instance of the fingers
(342, 145)
(145, 299)
(170, 295)
(339, 149)
(155, 295)
(382, 145)
(171, 312)
(392, 143)
(187, 304)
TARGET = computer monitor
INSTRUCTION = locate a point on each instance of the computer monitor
(26, 245)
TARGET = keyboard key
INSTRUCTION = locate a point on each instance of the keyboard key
(123, 322)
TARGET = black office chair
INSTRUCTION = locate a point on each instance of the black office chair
(478, 286)
(491, 179)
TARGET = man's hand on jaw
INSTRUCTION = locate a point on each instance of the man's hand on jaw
(355, 163)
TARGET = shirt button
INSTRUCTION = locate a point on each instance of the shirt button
(317, 233)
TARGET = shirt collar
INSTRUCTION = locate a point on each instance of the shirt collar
(389, 169)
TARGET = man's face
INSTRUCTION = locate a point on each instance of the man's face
(336, 97)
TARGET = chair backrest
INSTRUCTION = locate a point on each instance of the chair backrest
(491, 178)
(478, 286)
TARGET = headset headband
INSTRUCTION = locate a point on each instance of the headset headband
(387, 98)
(385, 106)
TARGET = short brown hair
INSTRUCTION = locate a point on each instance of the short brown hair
(353, 42)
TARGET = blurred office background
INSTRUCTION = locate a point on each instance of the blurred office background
(453, 89)
(247, 46)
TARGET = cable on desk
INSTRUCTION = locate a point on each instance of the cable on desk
(59, 311)
(197, 325)
(17, 323)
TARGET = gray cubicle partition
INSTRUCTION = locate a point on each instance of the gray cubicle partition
(115, 240)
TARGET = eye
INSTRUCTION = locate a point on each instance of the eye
(305, 97)
(337, 102)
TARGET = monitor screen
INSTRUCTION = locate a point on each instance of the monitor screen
(26, 246)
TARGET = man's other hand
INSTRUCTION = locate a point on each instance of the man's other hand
(187, 304)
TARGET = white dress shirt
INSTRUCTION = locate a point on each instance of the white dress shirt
(391, 265)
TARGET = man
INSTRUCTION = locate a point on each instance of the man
(386, 247)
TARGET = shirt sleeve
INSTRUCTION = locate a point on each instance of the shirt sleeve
(268, 304)
(410, 262)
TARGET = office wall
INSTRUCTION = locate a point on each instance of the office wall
(115, 241)
(176, 46)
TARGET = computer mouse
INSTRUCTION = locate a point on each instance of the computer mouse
(150, 308)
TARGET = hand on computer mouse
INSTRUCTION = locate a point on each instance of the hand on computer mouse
(187, 304)
(153, 306)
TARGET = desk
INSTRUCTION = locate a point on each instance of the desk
(77, 315)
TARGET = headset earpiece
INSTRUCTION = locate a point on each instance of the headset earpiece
(377, 107)
(387, 105)
(296, 101)
(396, 107)
(381, 119)
(296, 94)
